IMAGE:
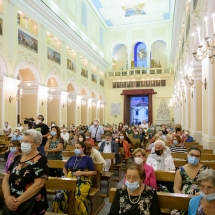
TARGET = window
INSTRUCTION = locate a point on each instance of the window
(140, 55)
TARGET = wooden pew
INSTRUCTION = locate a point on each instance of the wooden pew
(187, 147)
(63, 184)
(163, 175)
(97, 203)
(184, 156)
(207, 151)
(179, 163)
(72, 148)
(166, 200)
(4, 142)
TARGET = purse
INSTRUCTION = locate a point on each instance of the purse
(25, 208)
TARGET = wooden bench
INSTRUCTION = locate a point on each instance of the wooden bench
(166, 200)
(63, 184)
(187, 147)
(4, 142)
(96, 201)
(163, 175)
(207, 151)
(72, 148)
(184, 156)
(179, 163)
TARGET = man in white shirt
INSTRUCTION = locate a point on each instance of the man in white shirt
(65, 136)
(144, 125)
(96, 131)
(7, 130)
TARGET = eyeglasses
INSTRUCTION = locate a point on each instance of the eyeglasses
(129, 178)
(208, 189)
(192, 155)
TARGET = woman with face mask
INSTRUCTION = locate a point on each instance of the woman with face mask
(81, 138)
(204, 204)
(14, 148)
(124, 144)
(82, 168)
(54, 148)
(186, 178)
(140, 159)
(24, 184)
(177, 146)
(135, 197)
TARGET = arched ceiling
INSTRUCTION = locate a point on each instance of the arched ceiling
(26, 75)
(126, 12)
(52, 82)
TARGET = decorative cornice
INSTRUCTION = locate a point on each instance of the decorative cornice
(50, 20)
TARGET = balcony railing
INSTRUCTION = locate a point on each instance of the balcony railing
(140, 71)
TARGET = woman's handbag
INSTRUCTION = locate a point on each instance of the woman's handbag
(25, 208)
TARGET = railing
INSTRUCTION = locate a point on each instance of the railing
(141, 71)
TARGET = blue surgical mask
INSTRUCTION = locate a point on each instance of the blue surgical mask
(209, 197)
(13, 149)
(132, 186)
(175, 142)
(53, 133)
(78, 152)
(193, 160)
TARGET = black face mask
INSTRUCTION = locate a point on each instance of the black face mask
(159, 152)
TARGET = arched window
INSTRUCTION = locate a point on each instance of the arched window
(84, 14)
(140, 55)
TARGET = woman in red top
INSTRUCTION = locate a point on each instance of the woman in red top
(88, 138)
(123, 143)
(140, 158)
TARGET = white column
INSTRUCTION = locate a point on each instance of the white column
(129, 59)
(148, 57)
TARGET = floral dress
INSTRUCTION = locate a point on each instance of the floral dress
(22, 175)
(148, 203)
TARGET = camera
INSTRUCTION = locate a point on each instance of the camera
(30, 122)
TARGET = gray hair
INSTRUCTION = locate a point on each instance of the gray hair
(207, 175)
(96, 119)
(36, 135)
(160, 141)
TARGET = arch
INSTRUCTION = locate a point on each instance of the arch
(139, 59)
(26, 75)
(72, 86)
(26, 63)
(134, 42)
(56, 77)
(3, 65)
(94, 94)
(84, 91)
(101, 97)
(117, 43)
(158, 39)
(84, 14)
(52, 82)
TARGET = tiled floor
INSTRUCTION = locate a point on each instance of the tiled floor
(104, 210)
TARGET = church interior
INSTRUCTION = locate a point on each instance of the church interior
(119, 63)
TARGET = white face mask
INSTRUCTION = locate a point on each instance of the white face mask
(18, 125)
(26, 148)
(121, 137)
(186, 133)
(6, 124)
(95, 123)
(53, 124)
(138, 160)
(39, 121)
(87, 137)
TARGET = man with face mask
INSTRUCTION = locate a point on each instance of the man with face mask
(96, 131)
(94, 154)
(44, 130)
(160, 160)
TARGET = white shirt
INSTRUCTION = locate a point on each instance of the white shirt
(168, 162)
(107, 148)
(7, 130)
(98, 132)
(20, 128)
(65, 136)
(144, 125)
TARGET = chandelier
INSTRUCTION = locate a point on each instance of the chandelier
(142, 54)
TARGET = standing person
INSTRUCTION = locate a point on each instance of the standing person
(53, 148)
(7, 130)
(65, 136)
(44, 130)
(96, 131)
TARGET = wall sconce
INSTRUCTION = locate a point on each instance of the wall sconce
(68, 102)
(17, 97)
(48, 100)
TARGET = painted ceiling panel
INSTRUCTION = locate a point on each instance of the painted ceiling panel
(140, 10)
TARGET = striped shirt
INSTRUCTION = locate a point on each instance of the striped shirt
(178, 149)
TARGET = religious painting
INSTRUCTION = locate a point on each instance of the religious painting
(1, 27)
(18, 18)
(163, 83)
(114, 84)
(27, 41)
(84, 73)
(158, 83)
(118, 84)
(128, 84)
(134, 10)
(71, 65)
(94, 78)
(143, 83)
(123, 84)
(137, 83)
(102, 82)
(147, 83)
(152, 83)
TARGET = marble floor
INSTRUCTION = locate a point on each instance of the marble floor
(104, 210)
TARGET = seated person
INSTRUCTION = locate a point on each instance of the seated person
(177, 146)
(162, 136)
(109, 146)
(88, 138)
(17, 135)
(160, 160)
(124, 144)
(186, 137)
(65, 135)
(129, 130)
(15, 150)
(94, 154)
(135, 197)
(102, 140)
(205, 202)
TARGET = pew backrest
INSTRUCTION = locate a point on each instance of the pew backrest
(179, 163)
(110, 156)
(184, 156)
(166, 200)
(163, 175)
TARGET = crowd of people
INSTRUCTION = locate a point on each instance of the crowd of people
(29, 151)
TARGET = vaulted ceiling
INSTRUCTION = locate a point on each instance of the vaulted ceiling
(128, 12)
